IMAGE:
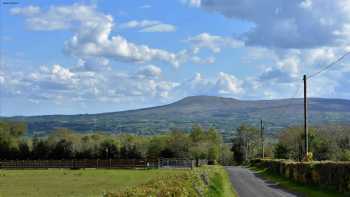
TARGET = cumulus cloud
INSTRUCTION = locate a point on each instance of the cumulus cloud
(92, 35)
(213, 42)
(227, 84)
(223, 85)
(26, 11)
(58, 83)
(150, 71)
(287, 24)
(159, 28)
(149, 26)
(198, 60)
(193, 3)
(145, 6)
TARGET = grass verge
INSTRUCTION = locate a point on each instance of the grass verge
(212, 181)
(301, 189)
(220, 184)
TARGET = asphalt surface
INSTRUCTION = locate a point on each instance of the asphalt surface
(247, 184)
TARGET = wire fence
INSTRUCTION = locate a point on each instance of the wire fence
(101, 164)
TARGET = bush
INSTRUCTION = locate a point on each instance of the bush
(328, 174)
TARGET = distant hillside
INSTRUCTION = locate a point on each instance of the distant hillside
(223, 113)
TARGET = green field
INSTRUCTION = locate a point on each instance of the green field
(73, 183)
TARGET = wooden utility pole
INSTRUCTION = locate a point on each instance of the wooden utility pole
(262, 139)
(306, 132)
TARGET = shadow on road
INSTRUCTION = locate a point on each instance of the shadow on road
(275, 185)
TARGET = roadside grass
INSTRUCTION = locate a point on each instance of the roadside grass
(74, 183)
(292, 186)
(220, 185)
(211, 181)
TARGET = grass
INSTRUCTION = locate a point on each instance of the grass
(204, 181)
(211, 181)
(220, 184)
(74, 183)
(304, 190)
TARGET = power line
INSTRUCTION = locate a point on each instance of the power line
(292, 98)
(329, 65)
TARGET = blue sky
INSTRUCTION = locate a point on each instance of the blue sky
(69, 57)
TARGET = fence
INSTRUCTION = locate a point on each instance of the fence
(106, 164)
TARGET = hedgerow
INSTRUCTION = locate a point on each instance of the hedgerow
(326, 173)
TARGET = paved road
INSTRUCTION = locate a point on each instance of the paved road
(247, 184)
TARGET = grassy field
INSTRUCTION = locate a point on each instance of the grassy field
(73, 183)
(305, 190)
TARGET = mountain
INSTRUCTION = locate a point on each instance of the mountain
(223, 113)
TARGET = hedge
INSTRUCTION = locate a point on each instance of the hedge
(322, 173)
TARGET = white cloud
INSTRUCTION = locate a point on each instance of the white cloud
(26, 11)
(223, 85)
(58, 84)
(146, 6)
(193, 3)
(139, 24)
(61, 73)
(213, 42)
(149, 26)
(150, 71)
(227, 84)
(159, 28)
(198, 60)
(92, 35)
(306, 4)
(288, 24)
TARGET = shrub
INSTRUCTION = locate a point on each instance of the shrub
(329, 174)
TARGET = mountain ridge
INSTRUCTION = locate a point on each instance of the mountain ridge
(221, 112)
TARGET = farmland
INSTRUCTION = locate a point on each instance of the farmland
(77, 183)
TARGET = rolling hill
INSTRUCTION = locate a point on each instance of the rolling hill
(225, 114)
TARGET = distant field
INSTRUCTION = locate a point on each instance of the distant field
(73, 183)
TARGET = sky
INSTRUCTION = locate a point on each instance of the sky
(93, 56)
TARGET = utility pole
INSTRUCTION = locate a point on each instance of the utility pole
(306, 132)
(262, 138)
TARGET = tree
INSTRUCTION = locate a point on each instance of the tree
(178, 143)
(10, 133)
(24, 150)
(41, 149)
(108, 150)
(245, 144)
(293, 140)
(155, 146)
(226, 156)
(197, 133)
(215, 141)
(281, 151)
(63, 149)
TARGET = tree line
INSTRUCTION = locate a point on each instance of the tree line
(325, 142)
(331, 142)
(64, 143)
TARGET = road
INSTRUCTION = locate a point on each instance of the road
(247, 184)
